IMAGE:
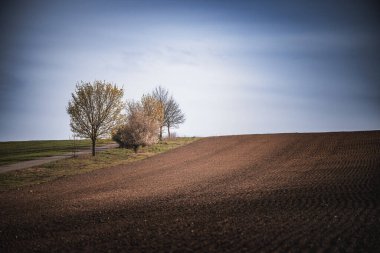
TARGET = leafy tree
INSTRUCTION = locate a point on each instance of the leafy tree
(152, 107)
(162, 95)
(94, 109)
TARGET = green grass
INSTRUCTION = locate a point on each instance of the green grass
(17, 151)
(83, 164)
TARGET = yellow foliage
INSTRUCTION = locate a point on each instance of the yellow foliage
(153, 108)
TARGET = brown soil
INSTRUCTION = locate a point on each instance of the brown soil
(280, 192)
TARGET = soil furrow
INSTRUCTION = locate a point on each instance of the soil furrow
(316, 192)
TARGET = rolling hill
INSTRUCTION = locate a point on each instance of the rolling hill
(274, 192)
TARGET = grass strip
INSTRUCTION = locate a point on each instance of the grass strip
(18, 151)
(84, 163)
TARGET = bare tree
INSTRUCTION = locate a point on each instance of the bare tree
(174, 115)
(95, 109)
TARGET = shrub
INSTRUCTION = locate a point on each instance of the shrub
(140, 130)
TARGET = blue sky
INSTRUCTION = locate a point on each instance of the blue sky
(235, 67)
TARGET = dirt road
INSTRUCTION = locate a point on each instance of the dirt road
(252, 193)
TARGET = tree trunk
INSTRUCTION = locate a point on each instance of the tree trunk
(93, 146)
(168, 132)
(136, 148)
(160, 133)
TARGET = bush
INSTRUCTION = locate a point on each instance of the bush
(140, 130)
(118, 135)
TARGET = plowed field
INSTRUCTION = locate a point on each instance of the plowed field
(253, 193)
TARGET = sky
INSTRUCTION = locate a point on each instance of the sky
(234, 67)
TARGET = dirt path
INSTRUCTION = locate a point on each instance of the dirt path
(252, 193)
(43, 160)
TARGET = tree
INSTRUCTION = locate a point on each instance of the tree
(95, 109)
(152, 107)
(162, 95)
(174, 115)
(141, 128)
